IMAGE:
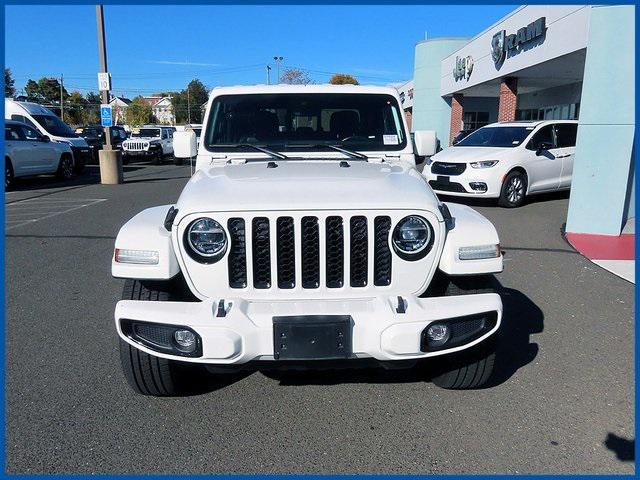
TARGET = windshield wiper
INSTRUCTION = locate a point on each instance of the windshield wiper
(337, 148)
(271, 153)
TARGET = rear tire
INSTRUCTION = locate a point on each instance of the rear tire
(65, 167)
(514, 190)
(9, 178)
(147, 374)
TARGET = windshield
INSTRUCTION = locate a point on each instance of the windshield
(296, 121)
(496, 137)
(54, 126)
(147, 132)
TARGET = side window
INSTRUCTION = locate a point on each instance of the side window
(13, 133)
(23, 119)
(566, 134)
(164, 134)
(544, 135)
(30, 134)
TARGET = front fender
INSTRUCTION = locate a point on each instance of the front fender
(469, 229)
(146, 231)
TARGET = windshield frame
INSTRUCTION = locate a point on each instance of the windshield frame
(527, 129)
(292, 145)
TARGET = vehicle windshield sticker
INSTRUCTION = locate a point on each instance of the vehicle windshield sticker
(390, 139)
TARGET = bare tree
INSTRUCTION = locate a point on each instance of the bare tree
(295, 76)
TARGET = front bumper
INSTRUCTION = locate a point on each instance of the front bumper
(81, 155)
(461, 185)
(245, 332)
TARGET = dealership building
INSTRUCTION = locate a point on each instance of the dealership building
(545, 62)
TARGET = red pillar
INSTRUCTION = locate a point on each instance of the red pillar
(457, 109)
(508, 99)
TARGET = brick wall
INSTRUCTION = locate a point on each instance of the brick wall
(508, 100)
(457, 108)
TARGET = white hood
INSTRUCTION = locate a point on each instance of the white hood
(469, 154)
(306, 185)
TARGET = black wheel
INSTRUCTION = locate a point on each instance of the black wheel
(65, 167)
(125, 159)
(9, 179)
(157, 158)
(468, 369)
(514, 189)
(177, 161)
(78, 165)
(148, 374)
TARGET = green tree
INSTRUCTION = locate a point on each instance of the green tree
(138, 112)
(75, 107)
(32, 91)
(9, 82)
(190, 100)
(343, 79)
(46, 90)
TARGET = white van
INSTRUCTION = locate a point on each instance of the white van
(49, 124)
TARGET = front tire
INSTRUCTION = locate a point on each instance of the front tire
(514, 189)
(9, 178)
(65, 167)
(147, 374)
(469, 369)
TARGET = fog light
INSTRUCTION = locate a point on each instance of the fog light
(478, 186)
(186, 340)
(438, 334)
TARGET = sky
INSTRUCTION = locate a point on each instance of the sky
(161, 48)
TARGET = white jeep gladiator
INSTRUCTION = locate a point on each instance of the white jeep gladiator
(149, 142)
(306, 239)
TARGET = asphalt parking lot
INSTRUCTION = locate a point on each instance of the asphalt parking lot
(562, 400)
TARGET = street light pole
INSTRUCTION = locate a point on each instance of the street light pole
(61, 97)
(278, 60)
(110, 160)
(268, 74)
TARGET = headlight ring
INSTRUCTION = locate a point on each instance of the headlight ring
(205, 240)
(412, 238)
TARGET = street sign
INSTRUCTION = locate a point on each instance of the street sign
(104, 81)
(106, 115)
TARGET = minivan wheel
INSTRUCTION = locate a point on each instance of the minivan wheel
(9, 179)
(65, 168)
(514, 189)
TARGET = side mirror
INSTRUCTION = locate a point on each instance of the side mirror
(542, 146)
(425, 142)
(185, 144)
(45, 138)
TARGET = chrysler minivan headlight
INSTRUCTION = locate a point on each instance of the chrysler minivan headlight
(484, 164)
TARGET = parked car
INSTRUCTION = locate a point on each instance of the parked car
(95, 138)
(49, 124)
(153, 142)
(304, 237)
(28, 152)
(507, 161)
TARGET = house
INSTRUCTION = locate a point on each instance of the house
(162, 108)
(119, 106)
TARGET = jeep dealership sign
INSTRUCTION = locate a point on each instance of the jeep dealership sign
(463, 68)
(503, 45)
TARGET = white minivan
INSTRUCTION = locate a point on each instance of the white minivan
(507, 161)
(49, 124)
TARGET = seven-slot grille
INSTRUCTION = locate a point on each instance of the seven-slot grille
(135, 145)
(307, 250)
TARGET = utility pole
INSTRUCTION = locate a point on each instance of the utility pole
(188, 106)
(110, 160)
(278, 60)
(61, 97)
(268, 74)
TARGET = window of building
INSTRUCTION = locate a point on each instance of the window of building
(474, 120)
(568, 111)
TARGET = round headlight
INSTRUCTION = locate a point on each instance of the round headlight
(412, 236)
(206, 238)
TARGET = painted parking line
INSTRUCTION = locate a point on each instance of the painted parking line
(25, 212)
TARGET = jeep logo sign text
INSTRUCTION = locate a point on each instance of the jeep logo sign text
(463, 68)
(503, 45)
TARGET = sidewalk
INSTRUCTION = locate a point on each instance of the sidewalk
(615, 254)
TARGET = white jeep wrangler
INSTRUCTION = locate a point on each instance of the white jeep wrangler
(306, 239)
(152, 142)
